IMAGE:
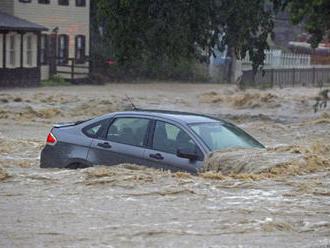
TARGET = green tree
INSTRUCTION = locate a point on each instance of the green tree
(173, 30)
(314, 13)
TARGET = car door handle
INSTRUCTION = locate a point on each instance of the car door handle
(157, 156)
(104, 145)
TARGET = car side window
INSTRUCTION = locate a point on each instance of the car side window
(95, 130)
(169, 138)
(128, 130)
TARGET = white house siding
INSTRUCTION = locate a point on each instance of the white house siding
(44, 70)
(7, 6)
(70, 20)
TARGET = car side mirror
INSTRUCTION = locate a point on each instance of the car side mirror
(187, 153)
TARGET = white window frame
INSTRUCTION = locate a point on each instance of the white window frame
(63, 49)
(80, 49)
(30, 48)
(13, 53)
(12, 50)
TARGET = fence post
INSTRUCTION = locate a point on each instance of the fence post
(72, 70)
(314, 74)
(52, 60)
(293, 76)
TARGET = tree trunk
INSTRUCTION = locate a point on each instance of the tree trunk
(235, 68)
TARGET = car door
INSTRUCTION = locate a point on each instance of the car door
(165, 140)
(123, 142)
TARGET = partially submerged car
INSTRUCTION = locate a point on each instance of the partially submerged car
(160, 139)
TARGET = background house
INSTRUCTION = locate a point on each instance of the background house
(19, 51)
(67, 37)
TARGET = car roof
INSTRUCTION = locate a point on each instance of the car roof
(185, 117)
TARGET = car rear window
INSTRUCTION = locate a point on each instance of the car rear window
(95, 130)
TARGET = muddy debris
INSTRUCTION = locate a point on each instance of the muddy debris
(246, 160)
(323, 119)
(211, 175)
(242, 100)
(95, 107)
(3, 174)
(19, 147)
(273, 226)
(211, 97)
(183, 175)
(26, 164)
(18, 99)
(255, 100)
(249, 163)
(47, 113)
(166, 192)
(121, 174)
(29, 113)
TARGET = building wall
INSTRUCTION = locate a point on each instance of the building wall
(7, 6)
(22, 72)
(19, 77)
(70, 20)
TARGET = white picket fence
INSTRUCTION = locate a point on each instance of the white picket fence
(278, 59)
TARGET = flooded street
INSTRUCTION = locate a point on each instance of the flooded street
(286, 205)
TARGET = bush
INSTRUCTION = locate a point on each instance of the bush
(55, 80)
(184, 70)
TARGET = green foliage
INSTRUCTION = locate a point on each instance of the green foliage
(157, 30)
(55, 81)
(314, 13)
(159, 34)
(245, 25)
(165, 70)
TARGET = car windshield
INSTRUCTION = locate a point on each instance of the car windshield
(218, 136)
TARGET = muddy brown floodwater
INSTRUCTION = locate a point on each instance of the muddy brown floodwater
(274, 198)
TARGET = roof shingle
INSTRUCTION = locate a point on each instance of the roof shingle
(9, 22)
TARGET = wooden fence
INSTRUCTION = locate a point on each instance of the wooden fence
(277, 58)
(73, 71)
(283, 77)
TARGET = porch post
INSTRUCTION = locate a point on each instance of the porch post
(38, 48)
(22, 49)
(4, 49)
(52, 53)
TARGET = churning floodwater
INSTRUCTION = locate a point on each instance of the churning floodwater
(279, 197)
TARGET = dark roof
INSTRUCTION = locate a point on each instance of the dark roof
(9, 22)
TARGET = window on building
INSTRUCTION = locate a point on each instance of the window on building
(29, 51)
(12, 51)
(63, 49)
(25, 1)
(44, 1)
(81, 3)
(63, 2)
(80, 47)
(44, 49)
